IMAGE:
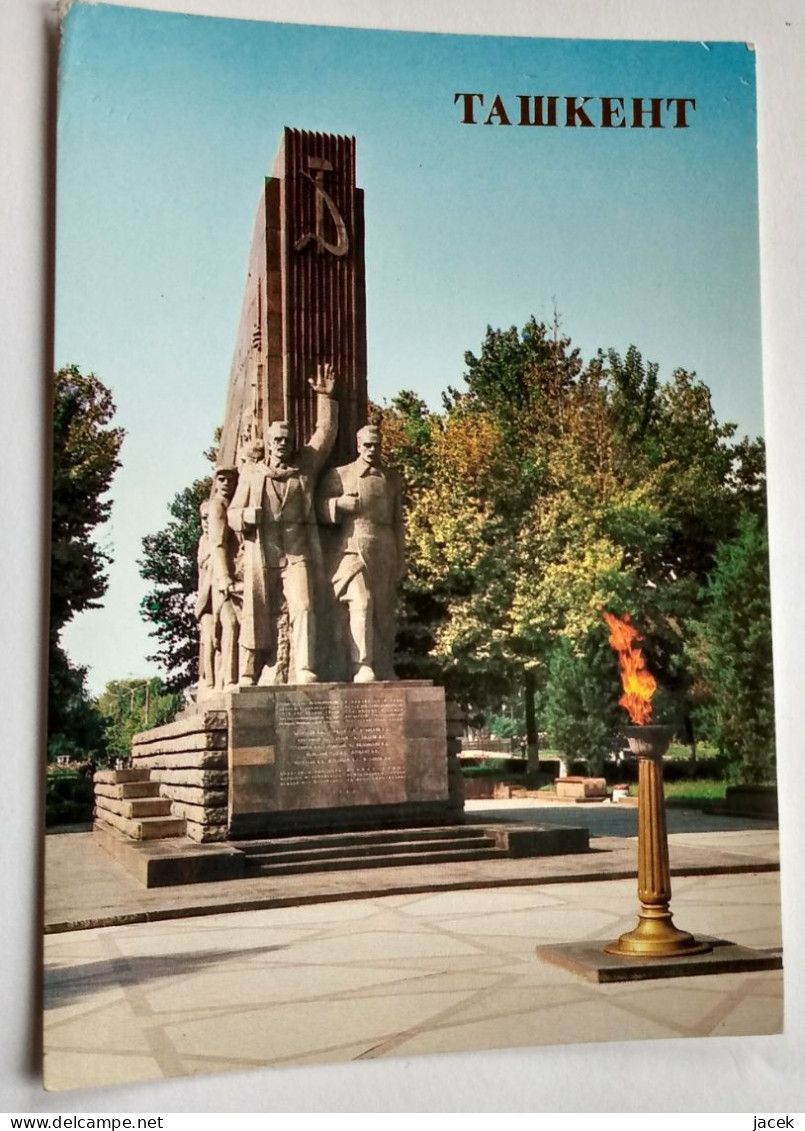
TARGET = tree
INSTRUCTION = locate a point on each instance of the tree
(731, 652)
(85, 458)
(170, 561)
(129, 706)
(75, 725)
(552, 489)
(580, 701)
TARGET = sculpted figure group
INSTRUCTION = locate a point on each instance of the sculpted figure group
(264, 576)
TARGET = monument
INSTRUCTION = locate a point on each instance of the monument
(299, 722)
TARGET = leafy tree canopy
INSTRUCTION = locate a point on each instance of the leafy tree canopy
(169, 561)
(129, 706)
(551, 489)
(85, 457)
(731, 655)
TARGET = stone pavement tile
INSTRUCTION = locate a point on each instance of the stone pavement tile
(601, 892)
(756, 1013)
(486, 902)
(68, 1000)
(350, 987)
(284, 1032)
(316, 913)
(184, 941)
(764, 843)
(684, 1006)
(768, 982)
(585, 1020)
(236, 987)
(401, 900)
(476, 980)
(754, 889)
(366, 946)
(63, 1070)
(519, 965)
(767, 880)
(726, 920)
(509, 952)
(542, 925)
(113, 1028)
(508, 1001)
(383, 920)
(207, 1065)
(74, 948)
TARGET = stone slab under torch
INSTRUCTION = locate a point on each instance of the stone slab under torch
(589, 961)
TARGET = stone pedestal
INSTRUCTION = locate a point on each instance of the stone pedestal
(323, 757)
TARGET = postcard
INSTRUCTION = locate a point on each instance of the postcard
(410, 680)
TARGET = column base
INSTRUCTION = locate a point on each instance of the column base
(655, 936)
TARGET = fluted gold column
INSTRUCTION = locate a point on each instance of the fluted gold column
(655, 935)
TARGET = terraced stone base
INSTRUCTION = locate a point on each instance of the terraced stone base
(176, 860)
(181, 861)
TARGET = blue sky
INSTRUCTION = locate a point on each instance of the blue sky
(168, 124)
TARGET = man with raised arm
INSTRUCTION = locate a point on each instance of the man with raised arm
(273, 509)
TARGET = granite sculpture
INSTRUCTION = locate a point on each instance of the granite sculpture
(273, 511)
(364, 500)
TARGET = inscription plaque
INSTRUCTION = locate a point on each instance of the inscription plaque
(335, 746)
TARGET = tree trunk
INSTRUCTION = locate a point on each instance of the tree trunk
(532, 738)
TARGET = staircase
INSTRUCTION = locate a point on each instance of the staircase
(389, 849)
(127, 800)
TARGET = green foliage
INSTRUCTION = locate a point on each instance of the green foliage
(75, 726)
(580, 700)
(690, 792)
(68, 797)
(169, 561)
(133, 705)
(731, 654)
(85, 458)
(551, 489)
(507, 726)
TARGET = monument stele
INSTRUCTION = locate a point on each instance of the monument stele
(299, 722)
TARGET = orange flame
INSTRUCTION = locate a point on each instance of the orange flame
(639, 684)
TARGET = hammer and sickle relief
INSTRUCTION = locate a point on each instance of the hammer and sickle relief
(323, 198)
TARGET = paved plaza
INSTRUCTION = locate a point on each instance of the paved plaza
(382, 975)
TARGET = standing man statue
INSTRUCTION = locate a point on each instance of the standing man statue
(273, 509)
(203, 610)
(223, 565)
(364, 499)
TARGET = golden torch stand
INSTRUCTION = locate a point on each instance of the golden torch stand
(655, 935)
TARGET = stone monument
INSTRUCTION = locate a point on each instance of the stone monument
(299, 722)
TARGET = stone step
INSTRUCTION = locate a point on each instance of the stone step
(254, 867)
(143, 828)
(357, 839)
(117, 777)
(139, 807)
(365, 851)
(147, 807)
(127, 790)
(157, 828)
